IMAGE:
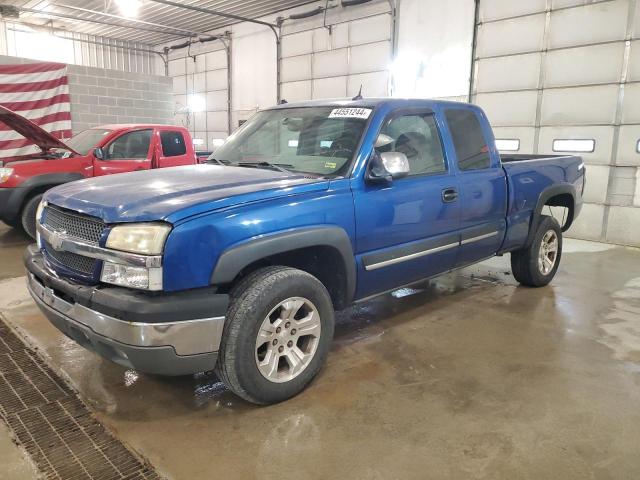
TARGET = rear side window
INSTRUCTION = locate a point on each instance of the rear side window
(172, 144)
(471, 147)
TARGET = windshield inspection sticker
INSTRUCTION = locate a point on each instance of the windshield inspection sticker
(350, 113)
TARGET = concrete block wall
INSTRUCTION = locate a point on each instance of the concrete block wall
(101, 96)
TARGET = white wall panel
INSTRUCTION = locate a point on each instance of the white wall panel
(332, 87)
(369, 58)
(525, 135)
(603, 136)
(600, 22)
(296, 91)
(216, 100)
(588, 225)
(628, 144)
(216, 80)
(598, 181)
(217, 121)
(634, 61)
(215, 60)
(518, 35)
(631, 105)
(496, 9)
(331, 63)
(297, 44)
(623, 225)
(296, 68)
(579, 106)
(339, 37)
(200, 82)
(177, 67)
(368, 30)
(509, 108)
(180, 85)
(373, 84)
(636, 24)
(513, 72)
(584, 65)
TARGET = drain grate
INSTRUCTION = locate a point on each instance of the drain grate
(54, 426)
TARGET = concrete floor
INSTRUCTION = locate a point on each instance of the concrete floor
(468, 376)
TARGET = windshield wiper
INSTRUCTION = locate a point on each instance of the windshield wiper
(274, 166)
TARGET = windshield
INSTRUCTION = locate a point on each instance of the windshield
(87, 139)
(317, 140)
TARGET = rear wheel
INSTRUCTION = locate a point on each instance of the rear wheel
(536, 265)
(277, 334)
(28, 216)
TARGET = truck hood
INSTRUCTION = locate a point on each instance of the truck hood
(29, 130)
(173, 194)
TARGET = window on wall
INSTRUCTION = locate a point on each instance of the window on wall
(638, 146)
(469, 142)
(417, 137)
(173, 144)
(574, 145)
(508, 144)
(41, 46)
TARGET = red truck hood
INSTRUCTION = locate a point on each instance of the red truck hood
(31, 131)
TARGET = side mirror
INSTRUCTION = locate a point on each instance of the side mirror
(98, 153)
(388, 166)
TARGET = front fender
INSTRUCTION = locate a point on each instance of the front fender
(233, 260)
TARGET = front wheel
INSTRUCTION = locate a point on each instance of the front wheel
(536, 265)
(276, 336)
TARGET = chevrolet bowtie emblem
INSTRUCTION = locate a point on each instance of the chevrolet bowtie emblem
(56, 239)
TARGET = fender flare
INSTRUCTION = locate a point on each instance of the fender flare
(546, 194)
(22, 191)
(233, 260)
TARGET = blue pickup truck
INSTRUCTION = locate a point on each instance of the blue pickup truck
(238, 265)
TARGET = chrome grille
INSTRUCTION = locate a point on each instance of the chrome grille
(76, 225)
(70, 260)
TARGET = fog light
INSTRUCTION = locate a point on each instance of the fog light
(132, 277)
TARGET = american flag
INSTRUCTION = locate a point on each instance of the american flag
(39, 92)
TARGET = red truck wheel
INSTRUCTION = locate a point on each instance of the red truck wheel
(28, 216)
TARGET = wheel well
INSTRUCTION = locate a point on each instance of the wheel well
(32, 193)
(564, 200)
(323, 262)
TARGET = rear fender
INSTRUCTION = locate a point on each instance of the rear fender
(544, 197)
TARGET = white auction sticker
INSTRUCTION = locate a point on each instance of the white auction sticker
(350, 113)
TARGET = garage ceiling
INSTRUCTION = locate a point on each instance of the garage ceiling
(178, 21)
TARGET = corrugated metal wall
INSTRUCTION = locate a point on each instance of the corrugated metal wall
(547, 71)
(82, 49)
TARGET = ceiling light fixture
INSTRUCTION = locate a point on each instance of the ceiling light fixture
(129, 8)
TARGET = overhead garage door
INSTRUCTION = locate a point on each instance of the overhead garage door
(563, 76)
(322, 63)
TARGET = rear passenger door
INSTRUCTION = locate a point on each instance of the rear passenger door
(482, 183)
(173, 149)
(128, 152)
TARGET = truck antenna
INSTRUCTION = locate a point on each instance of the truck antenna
(359, 95)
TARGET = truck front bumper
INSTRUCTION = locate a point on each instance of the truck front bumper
(106, 320)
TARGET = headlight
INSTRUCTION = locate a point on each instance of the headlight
(5, 173)
(132, 277)
(40, 210)
(143, 238)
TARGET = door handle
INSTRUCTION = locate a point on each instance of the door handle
(449, 195)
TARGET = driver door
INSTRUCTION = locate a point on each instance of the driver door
(407, 229)
(129, 152)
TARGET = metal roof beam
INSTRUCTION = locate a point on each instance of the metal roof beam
(182, 31)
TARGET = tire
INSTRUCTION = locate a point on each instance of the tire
(256, 306)
(14, 223)
(28, 215)
(526, 263)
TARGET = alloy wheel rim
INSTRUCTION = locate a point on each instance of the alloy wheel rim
(548, 254)
(288, 339)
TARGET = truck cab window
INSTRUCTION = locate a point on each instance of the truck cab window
(172, 144)
(416, 136)
(471, 146)
(132, 145)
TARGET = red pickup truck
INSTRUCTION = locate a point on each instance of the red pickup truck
(94, 152)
